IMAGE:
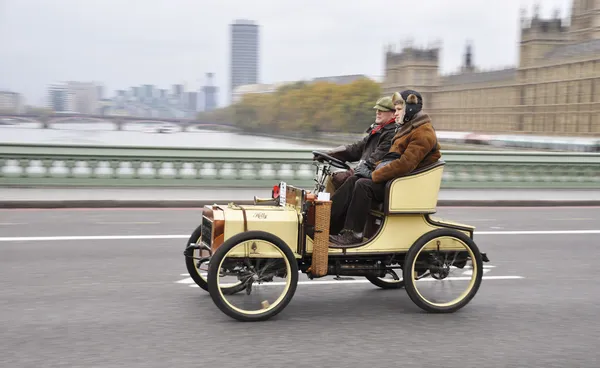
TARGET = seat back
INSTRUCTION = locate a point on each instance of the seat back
(416, 192)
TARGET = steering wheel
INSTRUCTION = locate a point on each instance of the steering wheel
(331, 160)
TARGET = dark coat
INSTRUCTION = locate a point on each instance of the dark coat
(416, 143)
(371, 148)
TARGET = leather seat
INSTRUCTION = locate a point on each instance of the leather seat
(422, 185)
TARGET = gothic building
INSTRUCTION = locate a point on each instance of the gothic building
(554, 89)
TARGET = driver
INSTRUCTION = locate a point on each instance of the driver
(368, 150)
(414, 145)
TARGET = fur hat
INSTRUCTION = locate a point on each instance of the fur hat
(407, 97)
(412, 97)
(413, 103)
(397, 99)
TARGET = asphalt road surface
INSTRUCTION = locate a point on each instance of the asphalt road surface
(79, 289)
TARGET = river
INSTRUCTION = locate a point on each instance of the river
(104, 134)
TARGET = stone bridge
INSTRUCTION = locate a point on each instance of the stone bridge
(48, 120)
(53, 165)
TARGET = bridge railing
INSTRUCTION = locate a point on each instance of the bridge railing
(63, 165)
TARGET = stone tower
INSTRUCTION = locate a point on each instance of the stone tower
(412, 68)
(539, 36)
(468, 65)
(585, 20)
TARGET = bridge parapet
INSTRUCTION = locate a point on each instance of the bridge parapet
(52, 165)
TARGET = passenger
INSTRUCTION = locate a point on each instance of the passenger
(371, 148)
(414, 145)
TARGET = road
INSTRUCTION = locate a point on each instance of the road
(71, 297)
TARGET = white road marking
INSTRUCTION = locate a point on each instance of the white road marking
(486, 268)
(362, 281)
(469, 273)
(573, 219)
(95, 237)
(137, 237)
(204, 273)
(537, 232)
(185, 281)
(126, 222)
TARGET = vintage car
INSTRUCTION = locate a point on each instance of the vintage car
(250, 257)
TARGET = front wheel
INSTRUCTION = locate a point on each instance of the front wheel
(436, 263)
(267, 268)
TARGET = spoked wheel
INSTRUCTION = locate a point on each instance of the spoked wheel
(197, 264)
(267, 268)
(390, 281)
(443, 271)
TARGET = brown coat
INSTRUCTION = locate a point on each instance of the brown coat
(417, 144)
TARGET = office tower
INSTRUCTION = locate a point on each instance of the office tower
(135, 92)
(11, 102)
(148, 91)
(61, 98)
(244, 54)
(210, 93)
(178, 90)
(191, 102)
(85, 96)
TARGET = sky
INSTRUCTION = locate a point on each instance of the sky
(124, 43)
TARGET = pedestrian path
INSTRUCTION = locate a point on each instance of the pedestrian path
(192, 197)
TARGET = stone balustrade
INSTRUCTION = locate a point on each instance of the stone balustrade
(61, 165)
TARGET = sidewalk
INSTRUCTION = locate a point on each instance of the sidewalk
(188, 197)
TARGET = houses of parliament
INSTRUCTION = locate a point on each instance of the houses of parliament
(554, 89)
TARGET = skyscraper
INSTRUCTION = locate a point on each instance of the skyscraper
(244, 54)
(210, 93)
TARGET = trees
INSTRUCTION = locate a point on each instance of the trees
(307, 108)
(218, 116)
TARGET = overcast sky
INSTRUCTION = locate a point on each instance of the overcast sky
(122, 43)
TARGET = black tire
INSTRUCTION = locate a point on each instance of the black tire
(222, 251)
(190, 264)
(410, 282)
(385, 284)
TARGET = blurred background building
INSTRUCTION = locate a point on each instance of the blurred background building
(145, 100)
(246, 89)
(11, 102)
(244, 59)
(210, 93)
(554, 89)
(61, 98)
(266, 88)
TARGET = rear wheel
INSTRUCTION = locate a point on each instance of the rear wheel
(267, 268)
(392, 282)
(197, 265)
(438, 262)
